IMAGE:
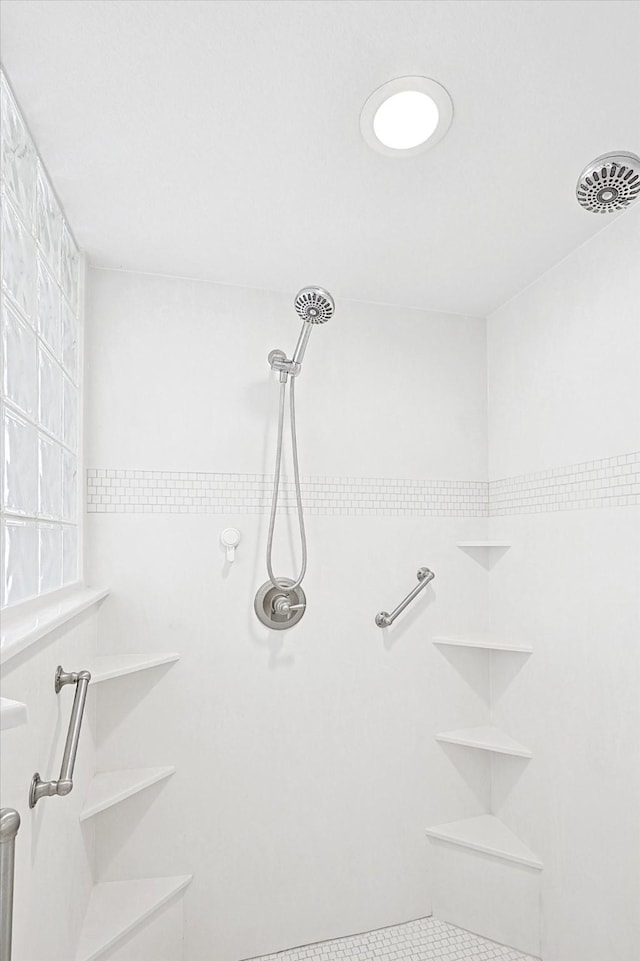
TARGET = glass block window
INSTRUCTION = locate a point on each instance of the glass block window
(40, 390)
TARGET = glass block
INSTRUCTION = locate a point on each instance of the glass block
(19, 560)
(69, 555)
(50, 479)
(48, 310)
(18, 261)
(20, 470)
(69, 487)
(50, 399)
(70, 414)
(48, 223)
(19, 157)
(50, 558)
(69, 268)
(70, 330)
(20, 368)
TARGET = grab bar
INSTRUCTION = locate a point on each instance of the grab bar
(9, 824)
(64, 784)
(383, 619)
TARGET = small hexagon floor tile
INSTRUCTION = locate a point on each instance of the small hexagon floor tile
(423, 940)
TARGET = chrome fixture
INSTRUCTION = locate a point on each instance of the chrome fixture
(64, 784)
(9, 824)
(424, 575)
(273, 601)
(610, 183)
(280, 607)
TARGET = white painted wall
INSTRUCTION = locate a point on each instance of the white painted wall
(54, 854)
(563, 362)
(307, 769)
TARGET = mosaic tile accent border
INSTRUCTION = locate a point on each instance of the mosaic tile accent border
(175, 492)
(426, 939)
(610, 482)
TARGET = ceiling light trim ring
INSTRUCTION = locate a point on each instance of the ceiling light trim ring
(431, 88)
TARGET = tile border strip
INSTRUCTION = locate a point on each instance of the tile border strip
(142, 491)
(608, 482)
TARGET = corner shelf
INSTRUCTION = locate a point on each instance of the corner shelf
(487, 642)
(489, 835)
(485, 738)
(118, 907)
(111, 787)
(502, 544)
(12, 713)
(108, 666)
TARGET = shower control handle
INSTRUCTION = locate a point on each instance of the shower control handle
(282, 605)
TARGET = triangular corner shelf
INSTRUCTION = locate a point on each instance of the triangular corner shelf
(118, 907)
(488, 835)
(484, 642)
(485, 738)
(111, 787)
(484, 544)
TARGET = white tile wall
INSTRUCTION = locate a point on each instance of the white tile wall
(611, 482)
(143, 491)
(423, 940)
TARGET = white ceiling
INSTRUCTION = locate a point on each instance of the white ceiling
(221, 140)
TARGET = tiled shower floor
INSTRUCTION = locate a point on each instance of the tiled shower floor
(422, 940)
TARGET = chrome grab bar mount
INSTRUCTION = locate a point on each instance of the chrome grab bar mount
(64, 784)
(424, 575)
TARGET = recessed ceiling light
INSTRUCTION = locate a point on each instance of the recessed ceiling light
(406, 116)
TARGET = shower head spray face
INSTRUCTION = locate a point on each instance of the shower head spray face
(314, 305)
(610, 183)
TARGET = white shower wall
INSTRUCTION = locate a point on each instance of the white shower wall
(564, 410)
(307, 769)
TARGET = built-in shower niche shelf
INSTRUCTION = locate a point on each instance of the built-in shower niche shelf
(112, 787)
(108, 666)
(485, 739)
(116, 908)
(486, 642)
(489, 835)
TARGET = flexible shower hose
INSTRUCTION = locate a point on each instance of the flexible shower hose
(276, 486)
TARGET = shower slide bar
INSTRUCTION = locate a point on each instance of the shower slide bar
(64, 784)
(424, 575)
(9, 824)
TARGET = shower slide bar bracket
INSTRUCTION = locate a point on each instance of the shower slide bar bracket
(425, 576)
(64, 784)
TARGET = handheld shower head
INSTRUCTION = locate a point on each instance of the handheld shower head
(314, 305)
